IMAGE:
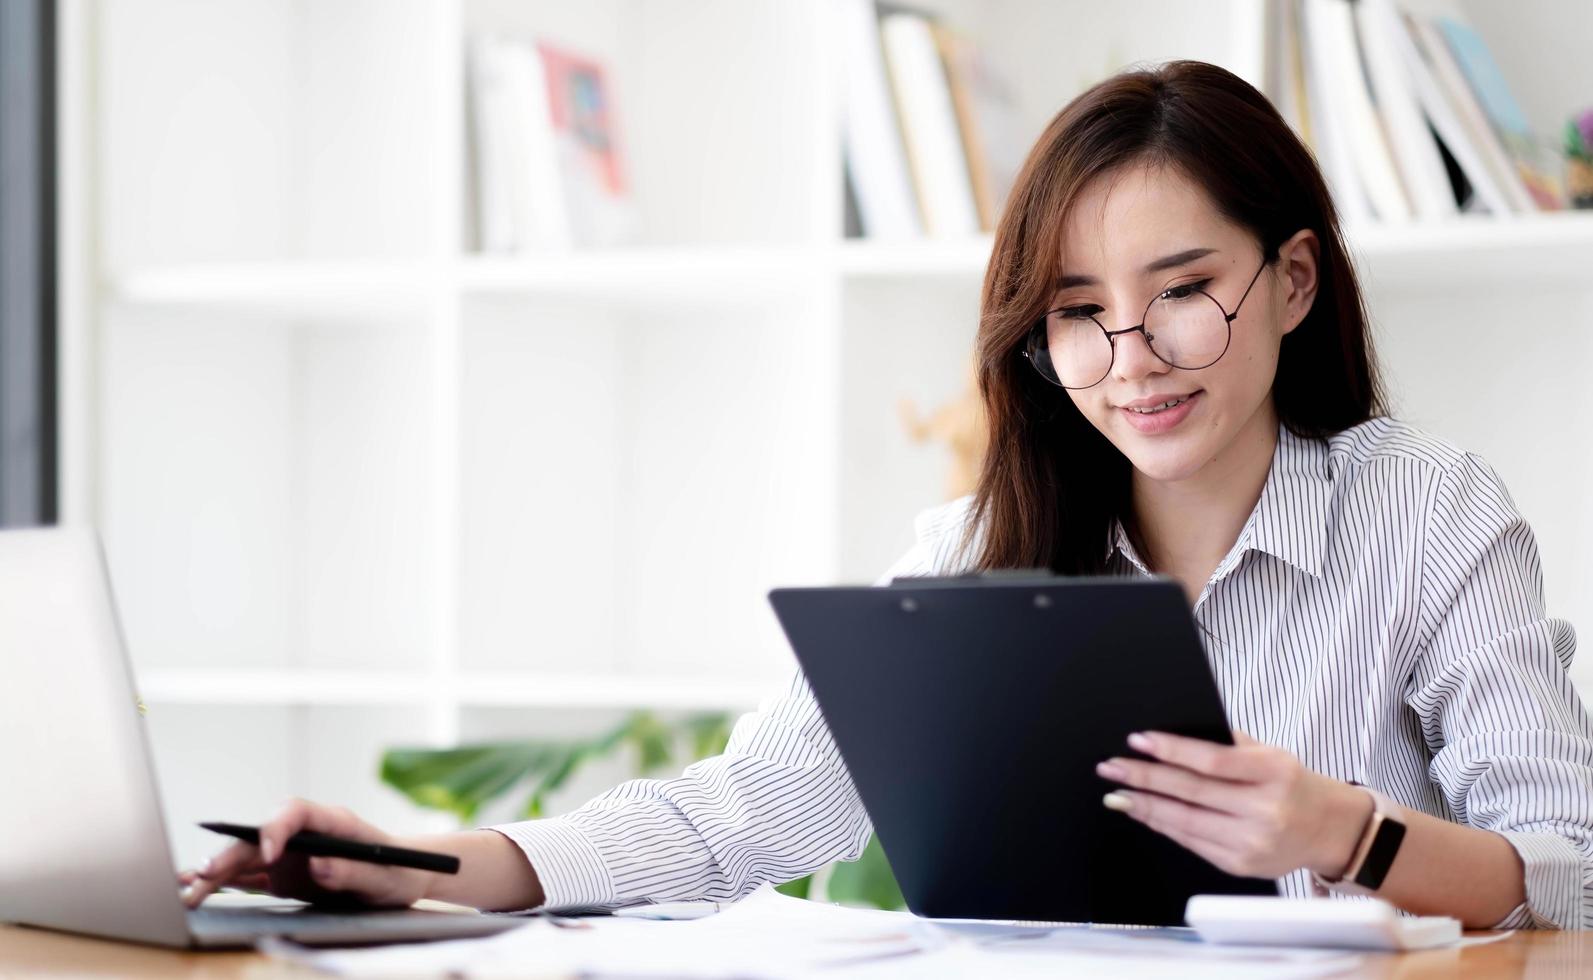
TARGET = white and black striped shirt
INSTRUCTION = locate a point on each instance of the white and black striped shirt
(1380, 616)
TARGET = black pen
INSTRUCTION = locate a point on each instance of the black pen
(315, 844)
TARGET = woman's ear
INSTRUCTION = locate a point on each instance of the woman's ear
(1297, 258)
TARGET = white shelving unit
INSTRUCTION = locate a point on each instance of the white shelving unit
(359, 487)
(478, 689)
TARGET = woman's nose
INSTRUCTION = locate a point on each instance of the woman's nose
(1134, 358)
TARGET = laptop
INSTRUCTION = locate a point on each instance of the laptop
(83, 844)
(971, 712)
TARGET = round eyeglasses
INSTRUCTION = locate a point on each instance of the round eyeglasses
(1184, 326)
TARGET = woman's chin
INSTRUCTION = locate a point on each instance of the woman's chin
(1163, 459)
(1165, 471)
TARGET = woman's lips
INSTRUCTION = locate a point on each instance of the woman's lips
(1155, 423)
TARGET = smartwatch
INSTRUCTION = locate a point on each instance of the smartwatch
(1375, 852)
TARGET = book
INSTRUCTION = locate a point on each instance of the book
(1533, 164)
(876, 161)
(1415, 148)
(1457, 93)
(587, 148)
(1348, 100)
(492, 228)
(1487, 192)
(1329, 121)
(519, 200)
(929, 126)
(546, 166)
(1409, 117)
(1284, 67)
(987, 118)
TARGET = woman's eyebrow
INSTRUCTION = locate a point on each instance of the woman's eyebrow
(1165, 262)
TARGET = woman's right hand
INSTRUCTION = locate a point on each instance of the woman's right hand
(321, 880)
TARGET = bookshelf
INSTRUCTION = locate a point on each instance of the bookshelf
(362, 487)
(312, 686)
(1549, 249)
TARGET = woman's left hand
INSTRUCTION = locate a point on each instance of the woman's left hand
(1248, 808)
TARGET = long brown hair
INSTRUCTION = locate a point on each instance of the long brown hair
(1051, 484)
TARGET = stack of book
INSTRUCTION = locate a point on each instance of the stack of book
(1409, 116)
(546, 167)
(931, 134)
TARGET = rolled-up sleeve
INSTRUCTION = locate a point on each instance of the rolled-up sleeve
(1511, 739)
(778, 804)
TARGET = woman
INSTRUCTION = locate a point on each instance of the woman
(1174, 362)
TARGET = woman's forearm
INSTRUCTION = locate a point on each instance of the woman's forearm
(494, 874)
(1443, 868)
(1446, 868)
(1254, 809)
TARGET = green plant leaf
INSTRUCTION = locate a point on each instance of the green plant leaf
(460, 780)
(567, 760)
(867, 881)
(709, 734)
(652, 740)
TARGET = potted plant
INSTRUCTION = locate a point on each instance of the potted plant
(461, 780)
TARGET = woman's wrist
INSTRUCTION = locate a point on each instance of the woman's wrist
(1346, 811)
(453, 888)
(436, 843)
(494, 874)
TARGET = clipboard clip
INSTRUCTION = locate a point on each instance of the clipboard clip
(990, 575)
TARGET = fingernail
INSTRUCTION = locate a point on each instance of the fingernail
(204, 869)
(1111, 770)
(1118, 801)
(267, 852)
(1141, 741)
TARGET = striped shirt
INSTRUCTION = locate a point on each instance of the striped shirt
(1380, 615)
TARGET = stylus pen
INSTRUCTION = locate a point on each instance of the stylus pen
(316, 844)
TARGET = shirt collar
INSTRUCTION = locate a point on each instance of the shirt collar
(1118, 541)
(1290, 520)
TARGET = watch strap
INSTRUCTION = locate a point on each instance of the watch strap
(1374, 853)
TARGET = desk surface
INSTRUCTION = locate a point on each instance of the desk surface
(26, 952)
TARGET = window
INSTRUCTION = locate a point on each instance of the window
(27, 263)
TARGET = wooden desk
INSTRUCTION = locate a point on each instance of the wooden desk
(26, 952)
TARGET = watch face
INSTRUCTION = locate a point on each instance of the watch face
(1380, 856)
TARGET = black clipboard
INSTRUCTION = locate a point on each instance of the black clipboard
(971, 711)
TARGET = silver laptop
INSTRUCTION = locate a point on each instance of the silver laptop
(83, 843)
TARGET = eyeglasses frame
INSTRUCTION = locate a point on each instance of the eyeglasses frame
(1112, 335)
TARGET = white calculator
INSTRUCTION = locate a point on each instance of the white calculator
(1369, 923)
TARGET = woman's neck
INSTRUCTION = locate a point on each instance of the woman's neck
(1185, 527)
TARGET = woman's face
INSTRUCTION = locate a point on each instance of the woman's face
(1118, 228)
